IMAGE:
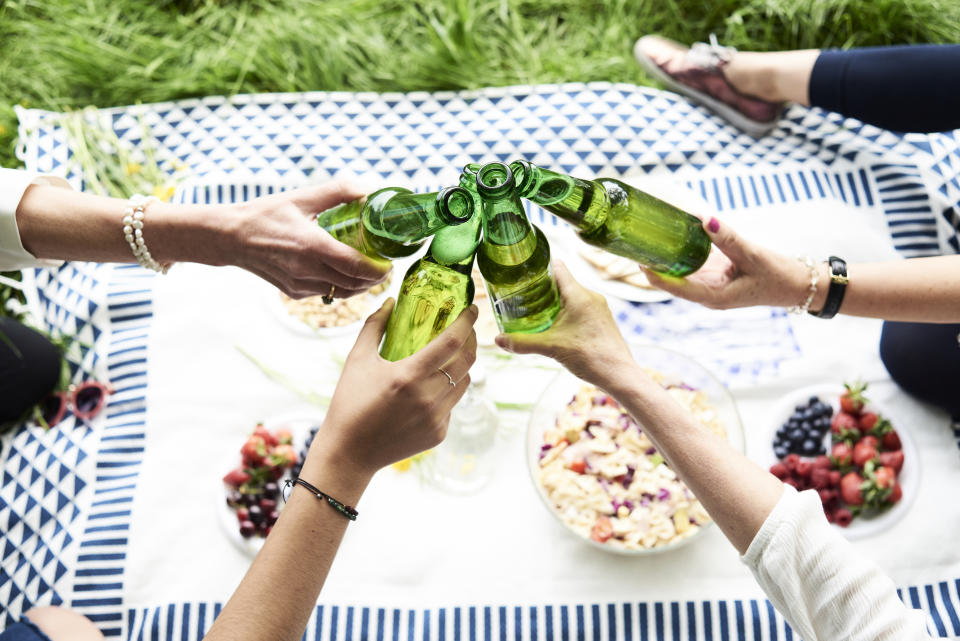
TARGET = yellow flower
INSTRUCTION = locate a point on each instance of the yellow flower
(407, 463)
(133, 168)
(3, 130)
(163, 193)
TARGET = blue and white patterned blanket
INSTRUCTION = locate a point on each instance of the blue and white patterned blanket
(66, 495)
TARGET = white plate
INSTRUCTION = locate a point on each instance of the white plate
(673, 365)
(300, 425)
(909, 477)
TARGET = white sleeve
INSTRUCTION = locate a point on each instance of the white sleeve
(13, 183)
(820, 583)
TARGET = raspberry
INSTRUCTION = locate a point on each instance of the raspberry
(843, 517)
(804, 467)
(779, 470)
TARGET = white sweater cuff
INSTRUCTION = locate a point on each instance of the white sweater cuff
(824, 587)
(13, 184)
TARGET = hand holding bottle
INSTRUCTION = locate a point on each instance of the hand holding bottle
(385, 411)
(584, 338)
(739, 273)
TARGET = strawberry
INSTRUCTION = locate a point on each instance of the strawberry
(842, 454)
(896, 494)
(891, 440)
(842, 517)
(254, 450)
(284, 456)
(844, 427)
(779, 470)
(236, 478)
(852, 400)
(850, 488)
(265, 434)
(864, 451)
(283, 436)
(885, 477)
(893, 460)
(602, 529)
(867, 421)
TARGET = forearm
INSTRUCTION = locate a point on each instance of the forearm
(737, 493)
(919, 290)
(277, 595)
(67, 225)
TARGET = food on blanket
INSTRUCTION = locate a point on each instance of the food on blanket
(802, 433)
(619, 218)
(314, 312)
(866, 457)
(434, 291)
(612, 267)
(252, 490)
(394, 221)
(514, 257)
(608, 483)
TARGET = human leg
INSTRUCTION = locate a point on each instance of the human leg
(29, 368)
(924, 360)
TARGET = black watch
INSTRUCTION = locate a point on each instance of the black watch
(838, 287)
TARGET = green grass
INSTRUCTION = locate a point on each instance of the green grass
(66, 54)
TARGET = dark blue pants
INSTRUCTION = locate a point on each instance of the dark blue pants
(913, 88)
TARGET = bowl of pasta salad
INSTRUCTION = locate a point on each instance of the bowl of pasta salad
(601, 477)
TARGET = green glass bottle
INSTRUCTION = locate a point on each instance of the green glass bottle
(621, 219)
(392, 222)
(437, 287)
(514, 257)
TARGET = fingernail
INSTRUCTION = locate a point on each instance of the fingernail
(713, 225)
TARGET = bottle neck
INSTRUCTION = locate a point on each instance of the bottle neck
(455, 246)
(575, 200)
(403, 216)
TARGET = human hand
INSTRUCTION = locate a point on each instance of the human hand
(584, 338)
(739, 273)
(383, 411)
(277, 238)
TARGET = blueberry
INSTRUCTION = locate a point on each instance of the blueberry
(782, 432)
(797, 435)
(780, 451)
(806, 426)
(813, 400)
(809, 447)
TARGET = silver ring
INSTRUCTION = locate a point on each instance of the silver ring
(449, 378)
(329, 297)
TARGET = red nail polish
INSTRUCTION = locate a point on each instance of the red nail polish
(713, 225)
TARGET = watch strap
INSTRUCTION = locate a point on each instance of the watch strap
(838, 287)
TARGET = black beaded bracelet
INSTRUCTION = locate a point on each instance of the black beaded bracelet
(340, 507)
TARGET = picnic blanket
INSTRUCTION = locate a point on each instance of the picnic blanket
(116, 519)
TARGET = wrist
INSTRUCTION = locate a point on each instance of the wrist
(330, 470)
(823, 286)
(192, 233)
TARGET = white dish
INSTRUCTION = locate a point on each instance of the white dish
(862, 526)
(299, 425)
(672, 364)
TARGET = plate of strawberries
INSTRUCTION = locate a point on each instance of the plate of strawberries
(254, 478)
(852, 451)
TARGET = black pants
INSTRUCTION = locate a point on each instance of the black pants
(913, 88)
(29, 368)
(910, 89)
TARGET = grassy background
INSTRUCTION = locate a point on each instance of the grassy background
(62, 54)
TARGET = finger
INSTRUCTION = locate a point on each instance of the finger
(452, 397)
(566, 283)
(689, 288)
(346, 260)
(373, 328)
(460, 363)
(524, 343)
(316, 198)
(451, 340)
(728, 241)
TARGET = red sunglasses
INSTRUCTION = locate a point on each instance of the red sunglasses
(85, 400)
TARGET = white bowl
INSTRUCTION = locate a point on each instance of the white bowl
(673, 365)
(909, 477)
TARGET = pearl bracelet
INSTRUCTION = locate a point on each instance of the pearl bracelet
(814, 277)
(133, 232)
